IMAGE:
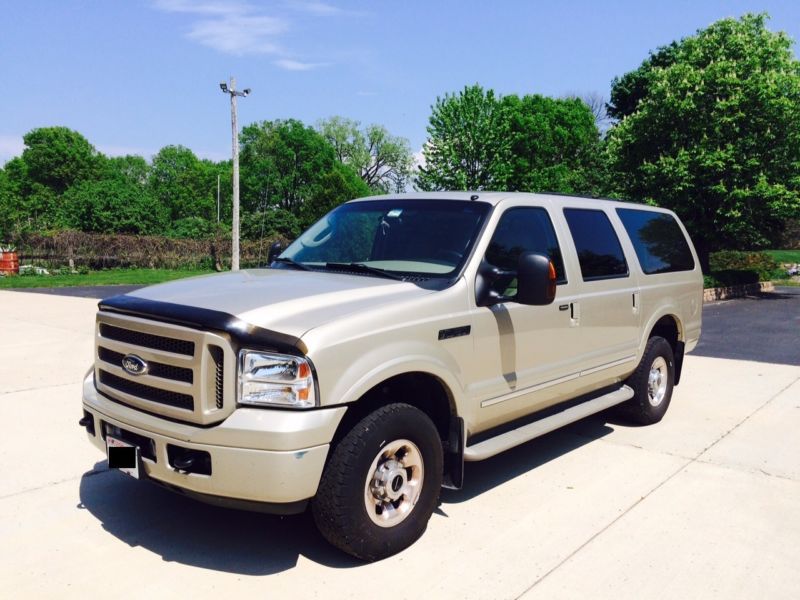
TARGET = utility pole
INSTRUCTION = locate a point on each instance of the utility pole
(231, 90)
(217, 197)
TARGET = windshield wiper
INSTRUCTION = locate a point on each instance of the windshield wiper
(294, 263)
(362, 268)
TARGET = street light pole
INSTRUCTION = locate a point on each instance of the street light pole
(231, 90)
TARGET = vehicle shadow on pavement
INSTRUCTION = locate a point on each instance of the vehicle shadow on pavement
(482, 476)
(189, 532)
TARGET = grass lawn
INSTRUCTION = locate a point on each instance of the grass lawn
(785, 256)
(105, 277)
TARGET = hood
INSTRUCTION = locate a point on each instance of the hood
(283, 300)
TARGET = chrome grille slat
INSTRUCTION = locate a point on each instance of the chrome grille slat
(219, 374)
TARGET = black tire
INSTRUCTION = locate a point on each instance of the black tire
(340, 508)
(641, 409)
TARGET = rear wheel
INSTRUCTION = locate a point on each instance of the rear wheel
(652, 383)
(381, 483)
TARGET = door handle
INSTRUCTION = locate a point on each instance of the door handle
(574, 314)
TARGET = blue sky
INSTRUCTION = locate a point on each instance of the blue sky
(136, 75)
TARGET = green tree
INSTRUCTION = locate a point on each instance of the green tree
(113, 205)
(132, 168)
(627, 91)
(6, 207)
(281, 161)
(184, 184)
(554, 145)
(338, 185)
(269, 223)
(468, 146)
(716, 136)
(30, 205)
(58, 157)
(383, 161)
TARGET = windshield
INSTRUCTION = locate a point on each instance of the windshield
(428, 238)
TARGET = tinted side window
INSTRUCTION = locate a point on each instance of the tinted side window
(524, 230)
(658, 240)
(599, 252)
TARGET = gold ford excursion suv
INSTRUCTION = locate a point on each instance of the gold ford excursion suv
(395, 339)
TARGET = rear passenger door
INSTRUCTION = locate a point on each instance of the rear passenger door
(605, 309)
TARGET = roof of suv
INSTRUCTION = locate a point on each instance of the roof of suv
(495, 198)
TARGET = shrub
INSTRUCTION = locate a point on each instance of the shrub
(744, 267)
(102, 251)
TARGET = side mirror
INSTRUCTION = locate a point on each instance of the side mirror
(490, 277)
(274, 251)
(536, 280)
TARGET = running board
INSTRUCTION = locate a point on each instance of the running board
(515, 437)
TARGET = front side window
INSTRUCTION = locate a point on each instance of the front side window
(520, 230)
(599, 251)
(659, 242)
(418, 238)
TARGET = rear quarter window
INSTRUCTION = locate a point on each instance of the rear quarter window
(660, 245)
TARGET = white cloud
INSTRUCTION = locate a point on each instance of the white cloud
(239, 34)
(229, 27)
(10, 146)
(319, 9)
(297, 65)
(241, 28)
(220, 7)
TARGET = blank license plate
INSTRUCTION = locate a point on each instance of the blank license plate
(123, 456)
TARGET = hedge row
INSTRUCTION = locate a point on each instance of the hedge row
(733, 267)
(100, 251)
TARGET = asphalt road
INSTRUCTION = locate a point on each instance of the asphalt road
(101, 292)
(764, 328)
(705, 504)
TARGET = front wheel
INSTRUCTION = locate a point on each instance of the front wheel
(381, 484)
(652, 383)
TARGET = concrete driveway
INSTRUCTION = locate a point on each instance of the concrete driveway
(704, 505)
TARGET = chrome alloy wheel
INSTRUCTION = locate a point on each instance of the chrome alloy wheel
(394, 483)
(657, 381)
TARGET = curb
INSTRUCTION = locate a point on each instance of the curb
(736, 291)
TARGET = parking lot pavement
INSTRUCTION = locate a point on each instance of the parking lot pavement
(705, 504)
(765, 327)
(100, 292)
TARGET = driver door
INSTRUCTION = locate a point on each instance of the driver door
(524, 354)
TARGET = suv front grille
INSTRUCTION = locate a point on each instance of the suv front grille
(185, 378)
(138, 338)
(156, 369)
(153, 394)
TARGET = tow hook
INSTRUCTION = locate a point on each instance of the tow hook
(87, 422)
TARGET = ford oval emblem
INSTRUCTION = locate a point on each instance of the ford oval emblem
(134, 365)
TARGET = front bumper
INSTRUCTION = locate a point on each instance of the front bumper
(257, 455)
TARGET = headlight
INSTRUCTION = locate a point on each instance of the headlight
(267, 379)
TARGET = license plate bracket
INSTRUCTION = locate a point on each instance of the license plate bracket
(123, 456)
